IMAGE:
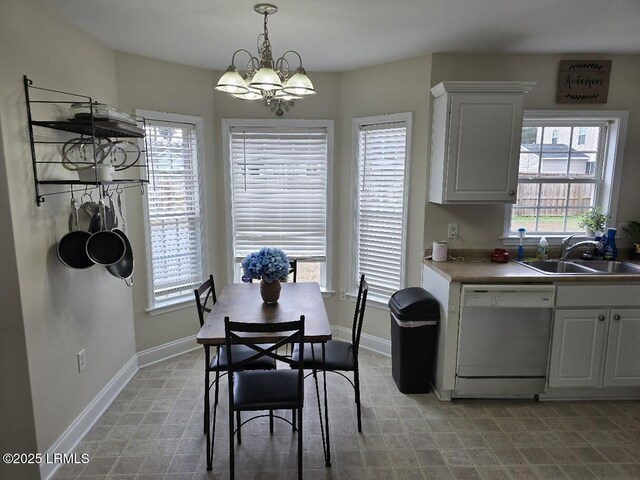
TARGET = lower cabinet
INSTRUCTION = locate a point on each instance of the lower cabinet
(586, 341)
(622, 361)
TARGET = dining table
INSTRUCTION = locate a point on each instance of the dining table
(242, 302)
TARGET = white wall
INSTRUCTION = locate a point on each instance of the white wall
(481, 225)
(145, 83)
(375, 91)
(63, 311)
(156, 85)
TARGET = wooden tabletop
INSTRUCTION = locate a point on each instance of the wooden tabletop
(241, 302)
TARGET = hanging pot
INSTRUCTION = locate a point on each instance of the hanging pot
(72, 246)
(105, 247)
(124, 267)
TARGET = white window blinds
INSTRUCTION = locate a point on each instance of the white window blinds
(380, 206)
(279, 190)
(174, 212)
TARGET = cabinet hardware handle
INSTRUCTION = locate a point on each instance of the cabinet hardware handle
(616, 317)
(512, 192)
(601, 318)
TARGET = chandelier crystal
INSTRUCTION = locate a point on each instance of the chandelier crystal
(264, 79)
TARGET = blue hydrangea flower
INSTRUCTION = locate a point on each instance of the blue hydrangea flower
(269, 264)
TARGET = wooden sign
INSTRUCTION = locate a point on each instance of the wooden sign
(583, 81)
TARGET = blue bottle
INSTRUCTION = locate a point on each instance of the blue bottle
(610, 249)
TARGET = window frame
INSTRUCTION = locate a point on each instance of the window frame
(357, 123)
(184, 301)
(613, 156)
(227, 125)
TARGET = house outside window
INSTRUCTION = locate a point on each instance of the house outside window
(568, 165)
(382, 152)
(279, 193)
(174, 209)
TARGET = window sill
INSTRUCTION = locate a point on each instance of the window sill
(534, 239)
(170, 307)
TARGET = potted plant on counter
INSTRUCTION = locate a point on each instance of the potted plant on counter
(632, 230)
(594, 221)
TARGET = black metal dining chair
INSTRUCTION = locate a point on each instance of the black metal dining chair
(258, 390)
(205, 298)
(340, 356)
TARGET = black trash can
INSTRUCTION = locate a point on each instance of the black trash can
(414, 327)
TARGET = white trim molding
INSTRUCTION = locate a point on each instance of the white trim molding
(168, 350)
(75, 432)
(375, 344)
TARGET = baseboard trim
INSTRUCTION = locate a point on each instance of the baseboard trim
(166, 351)
(75, 432)
(375, 344)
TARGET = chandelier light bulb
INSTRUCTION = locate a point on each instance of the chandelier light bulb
(232, 82)
(266, 79)
(299, 84)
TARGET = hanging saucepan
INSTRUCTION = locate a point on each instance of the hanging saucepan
(105, 247)
(72, 246)
(109, 217)
(124, 268)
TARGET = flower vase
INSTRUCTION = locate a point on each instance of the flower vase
(270, 292)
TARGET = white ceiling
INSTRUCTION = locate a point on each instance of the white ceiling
(339, 35)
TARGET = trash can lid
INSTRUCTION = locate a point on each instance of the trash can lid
(414, 304)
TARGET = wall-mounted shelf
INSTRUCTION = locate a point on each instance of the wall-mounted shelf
(95, 137)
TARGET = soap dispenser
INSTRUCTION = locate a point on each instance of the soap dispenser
(610, 249)
(543, 249)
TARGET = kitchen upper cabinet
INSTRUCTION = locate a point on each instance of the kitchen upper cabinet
(577, 348)
(475, 142)
(622, 366)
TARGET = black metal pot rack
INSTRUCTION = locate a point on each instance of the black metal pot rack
(91, 129)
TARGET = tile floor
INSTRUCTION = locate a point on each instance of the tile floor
(153, 431)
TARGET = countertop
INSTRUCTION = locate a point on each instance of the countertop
(485, 271)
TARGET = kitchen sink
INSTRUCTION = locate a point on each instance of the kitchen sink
(606, 266)
(558, 266)
(583, 267)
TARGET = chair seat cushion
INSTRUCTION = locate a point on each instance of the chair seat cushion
(338, 356)
(239, 353)
(266, 390)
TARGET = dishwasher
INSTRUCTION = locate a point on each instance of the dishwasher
(503, 340)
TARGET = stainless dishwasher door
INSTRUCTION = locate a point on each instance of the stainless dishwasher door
(504, 342)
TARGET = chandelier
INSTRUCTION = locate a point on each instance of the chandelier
(265, 79)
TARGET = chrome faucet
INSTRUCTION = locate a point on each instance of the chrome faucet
(567, 248)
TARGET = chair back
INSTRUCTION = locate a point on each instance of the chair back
(208, 291)
(254, 336)
(358, 315)
(293, 269)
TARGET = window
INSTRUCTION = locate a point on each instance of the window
(567, 162)
(278, 173)
(382, 153)
(174, 213)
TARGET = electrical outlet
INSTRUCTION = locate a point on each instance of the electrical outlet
(343, 294)
(453, 230)
(82, 360)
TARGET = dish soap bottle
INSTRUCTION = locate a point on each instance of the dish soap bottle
(610, 249)
(521, 232)
(543, 249)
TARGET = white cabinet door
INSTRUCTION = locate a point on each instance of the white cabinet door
(622, 367)
(577, 347)
(475, 141)
(484, 143)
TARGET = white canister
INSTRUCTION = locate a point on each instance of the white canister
(440, 251)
